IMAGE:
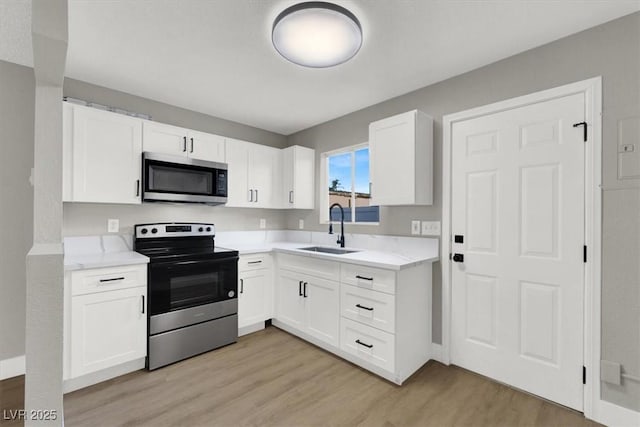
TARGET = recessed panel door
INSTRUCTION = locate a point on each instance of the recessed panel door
(518, 230)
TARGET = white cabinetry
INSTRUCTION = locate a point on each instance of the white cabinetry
(298, 170)
(105, 318)
(255, 292)
(401, 150)
(376, 318)
(308, 297)
(253, 175)
(101, 156)
(167, 139)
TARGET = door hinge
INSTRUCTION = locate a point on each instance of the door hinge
(584, 129)
(584, 375)
(584, 253)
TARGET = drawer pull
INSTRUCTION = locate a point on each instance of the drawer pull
(364, 278)
(255, 262)
(115, 279)
(364, 344)
(363, 307)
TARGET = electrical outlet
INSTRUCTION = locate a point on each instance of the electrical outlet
(415, 227)
(113, 225)
(301, 224)
(430, 228)
(263, 223)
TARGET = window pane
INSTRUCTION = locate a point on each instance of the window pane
(340, 183)
(364, 212)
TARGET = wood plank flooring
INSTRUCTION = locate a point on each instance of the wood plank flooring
(271, 378)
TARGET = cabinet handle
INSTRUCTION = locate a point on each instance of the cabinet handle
(304, 287)
(291, 196)
(142, 303)
(255, 262)
(300, 288)
(191, 151)
(184, 145)
(137, 188)
(363, 307)
(364, 344)
(364, 278)
(256, 196)
(251, 195)
(115, 279)
(241, 286)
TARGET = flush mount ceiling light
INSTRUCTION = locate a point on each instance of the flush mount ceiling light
(317, 34)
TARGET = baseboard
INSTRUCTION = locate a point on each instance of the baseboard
(616, 416)
(250, 329)
(436, 353)
(74, 384)
(13, 367)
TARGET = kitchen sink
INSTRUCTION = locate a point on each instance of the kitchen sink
(335, 251)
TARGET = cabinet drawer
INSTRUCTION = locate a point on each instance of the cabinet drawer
(329, 270)
(372, 308)
(254, 262)
(367, 343)
(108, 279)
(376, 279)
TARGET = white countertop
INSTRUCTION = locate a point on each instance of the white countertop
(104, 259)
(372, 258)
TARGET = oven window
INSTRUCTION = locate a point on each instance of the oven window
(164, 178)
(189, 291)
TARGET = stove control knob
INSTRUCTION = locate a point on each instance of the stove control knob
(154, 230)
(208, 228)
(144, 231)
(201, 229)
(231, 294)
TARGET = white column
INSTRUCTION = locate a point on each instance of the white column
(45, 290)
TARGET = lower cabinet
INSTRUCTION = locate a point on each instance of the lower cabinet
(105, 318)
(255, 292)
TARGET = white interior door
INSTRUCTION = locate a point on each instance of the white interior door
(518, 209)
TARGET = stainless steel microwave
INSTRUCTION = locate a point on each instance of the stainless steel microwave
(177, 179)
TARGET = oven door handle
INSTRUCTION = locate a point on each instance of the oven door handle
(173, 264)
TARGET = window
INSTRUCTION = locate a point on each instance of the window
(347, 183)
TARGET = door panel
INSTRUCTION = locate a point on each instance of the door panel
(165, 139)
(290, 304)
(252, 297)
(518, 200)
(206, 146)
(323, 309)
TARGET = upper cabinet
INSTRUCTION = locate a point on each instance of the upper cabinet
(254, 172)
(401, 153)
(101, 156)
(167, 139)
(298, 173)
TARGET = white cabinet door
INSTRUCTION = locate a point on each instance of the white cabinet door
(322, 309)
(106, 156)
(254, 295)
(237, 153)
(298, 177)
(290, 302)
(401, 160)
(262, 172)
(107, 328)
(165, 139)
(206, 146)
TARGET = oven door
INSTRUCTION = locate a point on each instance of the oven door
(177, 179)
(178, 285)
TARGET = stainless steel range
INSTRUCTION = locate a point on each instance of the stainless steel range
(193, 302)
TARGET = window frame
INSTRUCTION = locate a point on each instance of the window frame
(324, 192)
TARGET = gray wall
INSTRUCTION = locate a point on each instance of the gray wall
(91, 219)
(612, 51)
(17, 94)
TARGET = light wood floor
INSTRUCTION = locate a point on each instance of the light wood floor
(271, 378)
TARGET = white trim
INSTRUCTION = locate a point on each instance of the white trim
(436, 353)
(592, 89)
(249, 329)
(614, 415)
(13, 367)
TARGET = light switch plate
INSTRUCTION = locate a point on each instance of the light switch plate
(415, 227)
(263, 223)
(301, 224)
(113, 225)
(430, 228)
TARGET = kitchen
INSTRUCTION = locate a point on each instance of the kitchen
(268, 220)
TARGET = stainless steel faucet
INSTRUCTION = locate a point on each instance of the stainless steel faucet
(340, 240)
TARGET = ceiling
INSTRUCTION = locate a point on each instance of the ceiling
(216, 56)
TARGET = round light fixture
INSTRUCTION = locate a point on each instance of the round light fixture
(317, 34)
